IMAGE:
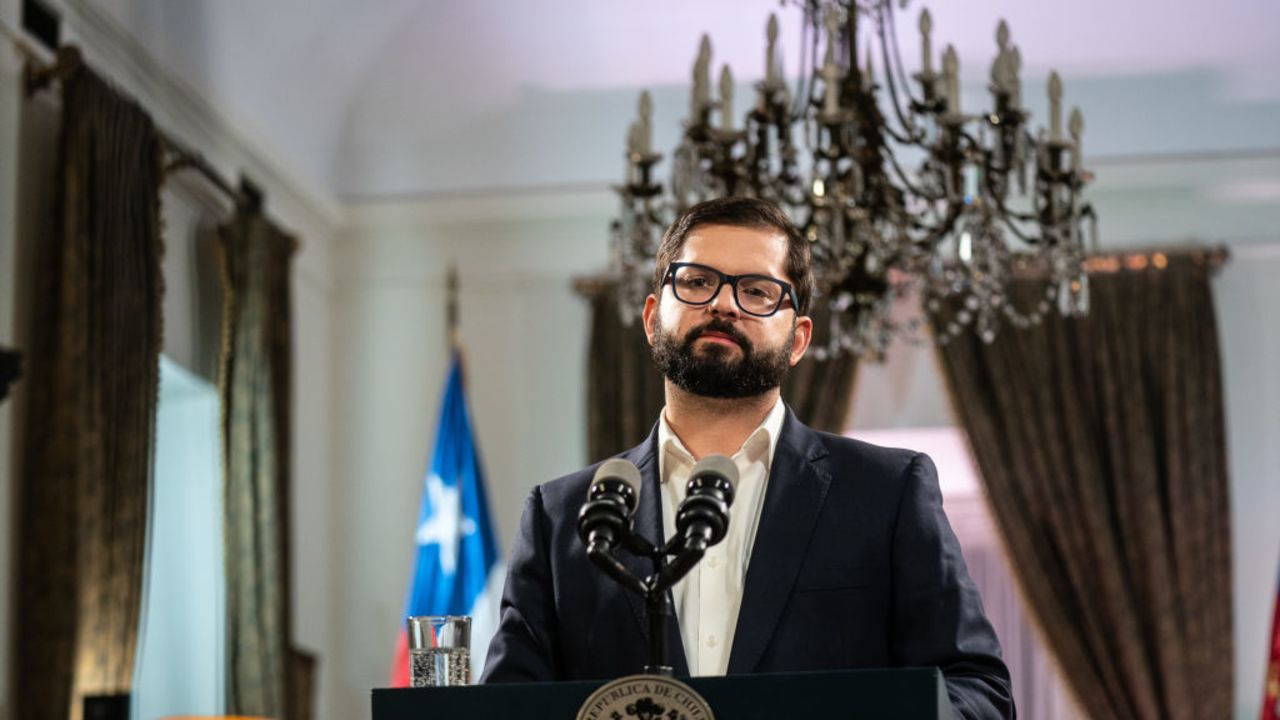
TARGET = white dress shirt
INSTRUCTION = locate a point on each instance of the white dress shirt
(707, 600)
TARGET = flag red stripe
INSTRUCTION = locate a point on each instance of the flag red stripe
(400, 666)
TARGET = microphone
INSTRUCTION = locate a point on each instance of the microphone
(604, 521)
(703, 518)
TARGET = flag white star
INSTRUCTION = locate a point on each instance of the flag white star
(446, 525)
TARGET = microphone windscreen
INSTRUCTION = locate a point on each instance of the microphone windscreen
(618, 469)
(717, 465)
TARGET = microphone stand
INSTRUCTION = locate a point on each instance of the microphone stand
(653, 588)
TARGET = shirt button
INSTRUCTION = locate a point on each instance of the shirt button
(713, 561)
(711, 641)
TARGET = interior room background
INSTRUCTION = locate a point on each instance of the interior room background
(396, 137)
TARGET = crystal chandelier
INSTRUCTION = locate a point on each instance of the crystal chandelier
(898, 189)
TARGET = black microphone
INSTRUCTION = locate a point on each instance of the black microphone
(703, 518)
(604, 522)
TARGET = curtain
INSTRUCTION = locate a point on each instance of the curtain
(625, 390)
(255, 388)
(93, 370)
(1101, 442)
(821, 391)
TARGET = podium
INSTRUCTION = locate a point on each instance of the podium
(891, 694)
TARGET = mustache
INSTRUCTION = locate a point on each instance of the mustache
(721, 326)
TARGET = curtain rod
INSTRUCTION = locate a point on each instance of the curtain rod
(40, 74)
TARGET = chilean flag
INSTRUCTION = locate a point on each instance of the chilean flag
(456, 570)
(1271, 689)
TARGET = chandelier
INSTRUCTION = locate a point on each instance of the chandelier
(898, 188)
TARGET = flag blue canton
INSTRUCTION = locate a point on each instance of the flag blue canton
(456, 544)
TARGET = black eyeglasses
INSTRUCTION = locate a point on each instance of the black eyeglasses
(758, 295)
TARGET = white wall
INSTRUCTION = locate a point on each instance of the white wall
(526, 335)
(522, 328)
(312, 215)
(370, 338)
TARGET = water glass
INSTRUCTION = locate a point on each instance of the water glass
(439, 650)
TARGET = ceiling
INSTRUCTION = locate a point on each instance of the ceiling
(385, 98)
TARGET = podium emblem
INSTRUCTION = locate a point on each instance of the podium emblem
(645, 697)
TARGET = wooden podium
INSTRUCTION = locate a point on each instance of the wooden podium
(898, 694)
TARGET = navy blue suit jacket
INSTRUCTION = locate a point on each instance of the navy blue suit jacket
(854, 566)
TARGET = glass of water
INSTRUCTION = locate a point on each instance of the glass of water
(439, 650)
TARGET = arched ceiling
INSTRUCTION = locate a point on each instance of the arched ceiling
(395, 97)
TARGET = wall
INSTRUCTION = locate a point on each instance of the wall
(190, 207)
(522, 328)
(370, 334)
(525, 333)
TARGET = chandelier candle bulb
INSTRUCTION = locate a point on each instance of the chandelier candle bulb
(1055, 107)
(926, 47)
(1075, 126)
(646, 123)
(772, 74)
(701, 79)
(951, 73)
(831, 78)
(1000, 68)
(1015, 85)
(726, 99)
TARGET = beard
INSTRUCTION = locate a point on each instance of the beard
(712, 371)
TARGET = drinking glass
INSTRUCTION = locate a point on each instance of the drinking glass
(439, 650)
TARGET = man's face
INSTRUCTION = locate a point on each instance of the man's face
(716, 349)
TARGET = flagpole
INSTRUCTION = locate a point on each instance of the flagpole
(451, 308)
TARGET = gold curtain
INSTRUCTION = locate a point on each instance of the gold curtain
(255, 388)
(625, 390)
(1102, 446)
(93, 370)
(821, 391)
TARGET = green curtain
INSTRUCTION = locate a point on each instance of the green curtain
(255, 387)
(625, 390)
(1102, 446)
(93, 374)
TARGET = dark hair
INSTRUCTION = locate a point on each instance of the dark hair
(741, 212)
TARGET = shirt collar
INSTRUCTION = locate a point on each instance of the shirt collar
(765, 435)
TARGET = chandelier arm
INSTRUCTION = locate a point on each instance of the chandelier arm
(902, 175)
(907, 124)
(988, 185)
(1007, 213)
(911, 139)
(936, 234)
(809, 38)
(892, 67)
(905, 180)
(1024, 237)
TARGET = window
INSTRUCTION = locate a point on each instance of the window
(179, 669)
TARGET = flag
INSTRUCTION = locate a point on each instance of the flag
(456, 570)
(1271, 686)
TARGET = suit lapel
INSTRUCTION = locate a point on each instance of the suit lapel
(797, 489)
(648, 523)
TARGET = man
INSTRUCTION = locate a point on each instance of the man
(838, 553)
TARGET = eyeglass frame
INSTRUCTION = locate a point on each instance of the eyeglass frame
(732, 280)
